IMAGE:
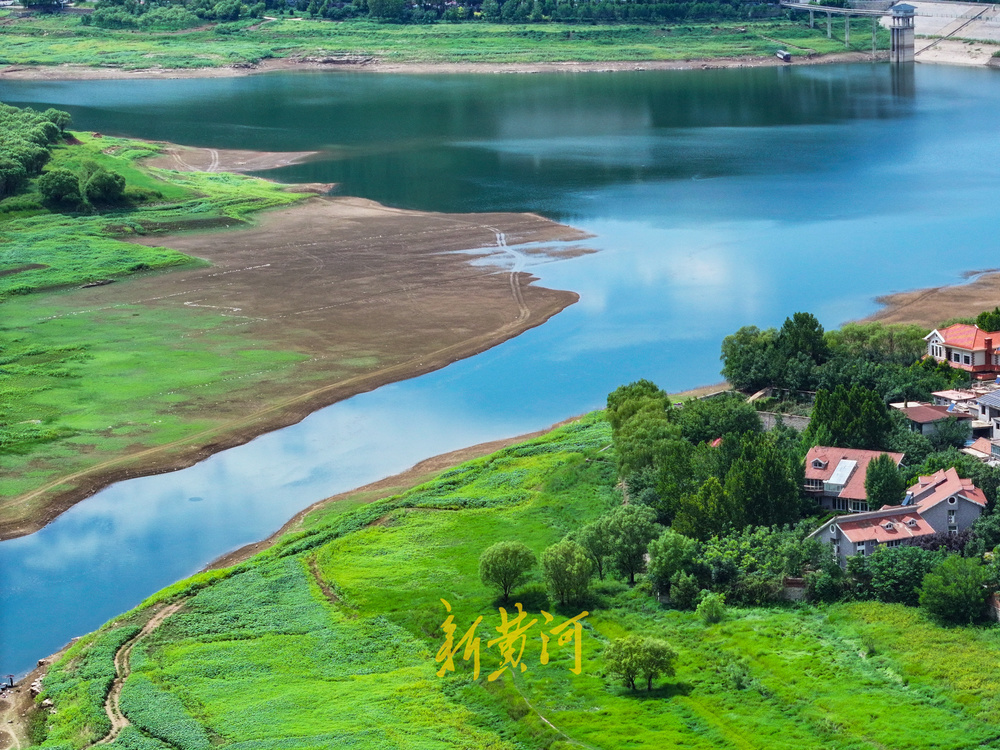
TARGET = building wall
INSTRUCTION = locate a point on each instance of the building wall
(966, 513)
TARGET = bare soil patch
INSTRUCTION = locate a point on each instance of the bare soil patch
(189, 159)
(929, 307)
(370, 294)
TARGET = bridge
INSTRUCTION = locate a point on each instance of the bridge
(875, 13)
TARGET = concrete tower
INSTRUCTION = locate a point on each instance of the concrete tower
(901, 30)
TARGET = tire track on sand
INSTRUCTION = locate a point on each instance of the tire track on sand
(112, 704)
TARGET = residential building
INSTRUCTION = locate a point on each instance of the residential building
(926, 418)
(835, 477)
(942, 502)
(966, 347)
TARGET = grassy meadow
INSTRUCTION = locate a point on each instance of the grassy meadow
(328, 639)
(56, 40)
(80, 385)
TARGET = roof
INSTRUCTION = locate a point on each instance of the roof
(990, 399)
(903, 8)
(954, 395)
(982, 445)
(854, 485)
(904, 525)
(965, 335)
(926, 413)
(933, 489)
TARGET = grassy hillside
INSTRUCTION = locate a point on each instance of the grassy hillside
(54, 40)
(329, 639)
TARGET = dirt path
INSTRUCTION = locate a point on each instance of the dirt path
(191, 159)
(122, 670)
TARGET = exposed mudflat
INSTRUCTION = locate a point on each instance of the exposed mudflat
(190, 159)
(929, 307)
(370, 294)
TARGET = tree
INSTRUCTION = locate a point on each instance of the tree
(898, 572)
(491, 10)
(637, 657)
(60, 186)
(884, 484)
(58, 118)
(706, 513)
(954, 592)
(596, 542)
(712, 608)
(701, 420)
(630, 529)
(684, 590)
(626, 400)
(104, 187)
(849, 418)
(669, 554)
(387, 10)
(506, 565)
(748, 358)
(568, 570)
(989, 320)
(760, 488)
(802, 334)
(951, 433)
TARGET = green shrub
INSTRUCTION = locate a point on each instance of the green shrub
(61, 187)
(712, 608)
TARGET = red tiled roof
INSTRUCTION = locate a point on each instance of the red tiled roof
(983, 445)
(929, 491)
(874, 529)
(855, 487)
(925, 413)
(966, 336)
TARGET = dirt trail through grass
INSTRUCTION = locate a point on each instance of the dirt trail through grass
(112, 703)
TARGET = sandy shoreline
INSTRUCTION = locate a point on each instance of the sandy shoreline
(86, 73)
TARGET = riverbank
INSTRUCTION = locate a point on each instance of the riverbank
(67, 72)
(357, 295)
(930, 306)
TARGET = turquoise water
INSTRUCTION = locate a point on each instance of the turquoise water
(717, 199)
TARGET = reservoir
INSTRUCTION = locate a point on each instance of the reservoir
(717, 198)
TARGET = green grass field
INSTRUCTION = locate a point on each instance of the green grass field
(53, 40)
(261, 657)
(80, 385)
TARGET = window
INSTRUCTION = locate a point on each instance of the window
(968, 359)
(955, 357)
(861, 548)
(892, 543)
(836, 550)
(859, 506)
(833, 528)
(951, 516)
(817, 464)
(839, 503)
(953, 530)
(951, 501)
(814, 484)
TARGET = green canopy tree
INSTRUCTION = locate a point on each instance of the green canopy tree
(954, 592)
(760, 488)
(596, 542)
(568, 570)
(638, 657)
(630, 529)
(849, 418)
(884, 483)
(669, 554)
(60, 186)
(706, 513)
(505, 566)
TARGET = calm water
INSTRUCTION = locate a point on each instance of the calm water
(718, 199)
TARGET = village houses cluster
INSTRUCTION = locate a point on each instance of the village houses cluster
(940, 503)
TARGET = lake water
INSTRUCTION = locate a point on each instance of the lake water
(717, 199)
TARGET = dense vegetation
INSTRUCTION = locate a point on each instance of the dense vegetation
(26, 143)
(330, 637)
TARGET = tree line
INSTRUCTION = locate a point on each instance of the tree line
(172, 15)
(28, 138)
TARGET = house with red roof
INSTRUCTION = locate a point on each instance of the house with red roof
(926, 418)
(941, 502)
(967, 347)
(835, 477)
